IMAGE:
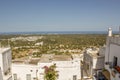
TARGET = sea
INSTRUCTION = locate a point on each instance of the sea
(57, 32)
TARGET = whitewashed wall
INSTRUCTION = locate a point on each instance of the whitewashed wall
(1, 78)
(22, 70)
(107, 50)
(66, 70)
(5, 63)
(114, 51)
(5, 60)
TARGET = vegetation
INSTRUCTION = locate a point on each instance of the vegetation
(50, 73)
(51, 44)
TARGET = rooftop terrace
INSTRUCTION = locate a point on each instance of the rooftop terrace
(52, 57)
(45, 58)
(33, 61)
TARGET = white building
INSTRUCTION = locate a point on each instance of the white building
(68, 68)
(112, 57)
(25, 69)
(5, 63)
(1, 77)
(92, 62)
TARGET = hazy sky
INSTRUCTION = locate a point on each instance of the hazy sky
(59, 15)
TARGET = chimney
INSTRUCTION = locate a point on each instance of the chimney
(109, 32)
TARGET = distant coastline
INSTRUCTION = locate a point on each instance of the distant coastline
(57, 32)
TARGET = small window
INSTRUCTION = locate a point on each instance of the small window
(15, 76)
(28, 76)
(74, 77)
(114, 61)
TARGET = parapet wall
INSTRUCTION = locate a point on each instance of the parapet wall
(115, 40)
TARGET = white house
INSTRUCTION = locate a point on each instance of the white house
(112, 57)
(92, 62)
(25, 72)
(25, 69)
(68, 68)
(5, 63)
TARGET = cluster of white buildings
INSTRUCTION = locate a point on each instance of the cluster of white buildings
(112, 57)
(94, 64)
(68, 67)
(33, 69)
(103, 64)
(31, 38)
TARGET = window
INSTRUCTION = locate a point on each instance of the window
(87, 67)
(114, 61)
(28, 76)
(74, 77)
(15, 76)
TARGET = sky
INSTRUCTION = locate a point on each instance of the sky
(59, 15)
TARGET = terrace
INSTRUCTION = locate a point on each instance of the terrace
(33, 61)
(53, 57)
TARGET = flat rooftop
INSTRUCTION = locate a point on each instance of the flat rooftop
(45, 58)
(93, 52)
(62, 58)
(33, 61)
(4, 49)
(52, 57)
